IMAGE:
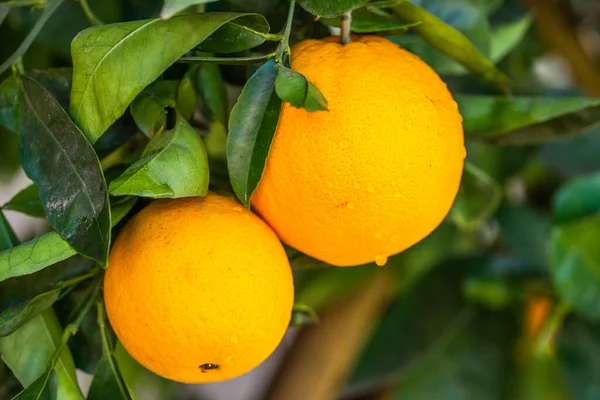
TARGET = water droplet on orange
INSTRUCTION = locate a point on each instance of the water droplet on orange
(357, 186)
(370, 189)
(350, 206)
(381, 260)
(343, 144)
(238, 209)
(378, 235)
(329, 184)
(394, 238)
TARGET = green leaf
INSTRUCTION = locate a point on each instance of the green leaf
(330, 8)
(450, 42)
(44, 388)
(50, 7)
(471, 360)
(364, 20)
(293, 87)
(526, 231)
(174, 164)
(508, 35)
(34, 255)
(18, 290)
(27, 201)
(8, 238)
(120, 207)
(186, 98)
(213, 92)
(9, 97)
(575, 264)
(149, 107)
(56, 156)
(13, 318)
(478, 198)
(252, 127)
(526, 120)
(107, 59)
(172, 7)
(3, 12)
(578, 352)
(28, 350)
(108, 381)
(303, 315)
(578, 198)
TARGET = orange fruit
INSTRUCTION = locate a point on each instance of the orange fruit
(377, 172)
(198, 289)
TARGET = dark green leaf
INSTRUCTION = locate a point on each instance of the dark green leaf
(108, 382)
(149, 107)
(211, 88)
(13, 318)
(120, 207)
(44, 388)
(293, 87)
(365, 21)
(27, 201)
(470, 360)
(578, 353)
(28, 350)
(174, 164)
(186, 98)
(15, 291)
(106, 59)
(172, 7)
(449, 41)
(303, 315)
(526, 231)
(577, 198)
(57, 81)
(86, 345)
(56, 156)
(575, 264)
(330, 8)
(9, 97)
(34, 255)
(50, 7)
(526, 120)
(477, 199)
(8, 238)
(252, 126)
(3, 12)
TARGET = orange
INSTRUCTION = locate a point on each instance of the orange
(377, 172)
(198, 289)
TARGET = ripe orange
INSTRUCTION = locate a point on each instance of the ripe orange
(198, 289)
(377, 172)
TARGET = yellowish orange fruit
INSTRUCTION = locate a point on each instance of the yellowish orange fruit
(198, 289)
(377, 172)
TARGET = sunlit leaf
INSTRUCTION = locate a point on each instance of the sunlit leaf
(174, 164)
(293, 87)
(34, 255)
(107, 59)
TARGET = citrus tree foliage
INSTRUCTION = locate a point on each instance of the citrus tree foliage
(109, 104)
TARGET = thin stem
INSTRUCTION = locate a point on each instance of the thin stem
(272, 37)
(77, 279)
(89, 13)
(346, 26)
(227, 60)
(544, 343)
(107, 345)
(285, 39)
(73, 327)
(23, 3)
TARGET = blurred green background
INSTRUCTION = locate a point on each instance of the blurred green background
(502, 301)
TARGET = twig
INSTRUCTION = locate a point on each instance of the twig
(89, 13)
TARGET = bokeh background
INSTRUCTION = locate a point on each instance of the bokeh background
(502, 301)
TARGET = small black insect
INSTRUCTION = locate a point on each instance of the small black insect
(208, 367)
